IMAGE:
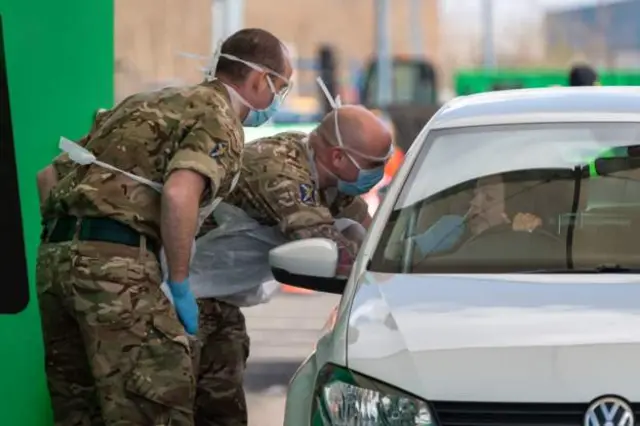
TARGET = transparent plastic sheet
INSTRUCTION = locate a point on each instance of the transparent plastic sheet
(231, 262)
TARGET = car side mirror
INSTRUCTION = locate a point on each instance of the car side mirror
(310, 264)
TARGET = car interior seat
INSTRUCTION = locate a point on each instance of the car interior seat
(608, 229)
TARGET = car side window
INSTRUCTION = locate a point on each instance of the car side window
(554, 204)
(476, 225)
(14, 294)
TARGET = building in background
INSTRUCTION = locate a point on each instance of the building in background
(151, 33)
(606, 34)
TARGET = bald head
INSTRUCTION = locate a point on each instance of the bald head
(361, 131)
(366, 144)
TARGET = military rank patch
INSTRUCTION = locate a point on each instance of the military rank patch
(220, 148)
(307, 193)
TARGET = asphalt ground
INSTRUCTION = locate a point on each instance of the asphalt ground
(283, 332)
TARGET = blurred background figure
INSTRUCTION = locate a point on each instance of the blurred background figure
(582, 75)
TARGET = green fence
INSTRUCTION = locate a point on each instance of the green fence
(468, 82)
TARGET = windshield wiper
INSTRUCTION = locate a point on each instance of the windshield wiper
(600, 269)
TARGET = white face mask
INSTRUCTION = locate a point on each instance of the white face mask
(84, 157)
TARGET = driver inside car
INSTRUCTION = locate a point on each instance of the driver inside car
(486, 211)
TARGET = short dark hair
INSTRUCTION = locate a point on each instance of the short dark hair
(582, 75)
(253, 45)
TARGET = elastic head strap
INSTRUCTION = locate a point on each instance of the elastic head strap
(335, 104)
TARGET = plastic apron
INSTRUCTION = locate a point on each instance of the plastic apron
(84, 157)
(232, 261)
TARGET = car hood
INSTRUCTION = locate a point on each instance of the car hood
(542, 337)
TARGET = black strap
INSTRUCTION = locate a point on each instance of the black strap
(96, 229)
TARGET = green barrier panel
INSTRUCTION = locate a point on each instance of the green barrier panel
(59, 58)
(468, 82)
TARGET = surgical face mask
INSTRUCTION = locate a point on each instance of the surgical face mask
(443, 235)
(367, 179)
(256, 117)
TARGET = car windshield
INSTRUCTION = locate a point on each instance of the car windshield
(518, 198)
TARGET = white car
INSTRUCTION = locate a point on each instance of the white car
(499, 283)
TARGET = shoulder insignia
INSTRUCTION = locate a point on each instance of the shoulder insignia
(307, 193)
(220, 148)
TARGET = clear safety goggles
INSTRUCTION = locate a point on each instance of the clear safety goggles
(282, 93)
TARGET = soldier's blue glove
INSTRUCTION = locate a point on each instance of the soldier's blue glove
(185, 304)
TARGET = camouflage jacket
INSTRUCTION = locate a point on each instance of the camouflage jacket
(151, 135)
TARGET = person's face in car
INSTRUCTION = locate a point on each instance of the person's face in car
(487, 206)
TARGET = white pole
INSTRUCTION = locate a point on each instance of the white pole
(217, 22)
(384, 65)
(416, 28)
(234, 12)
(487, 26)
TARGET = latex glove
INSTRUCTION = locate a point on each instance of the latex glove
(185, 304)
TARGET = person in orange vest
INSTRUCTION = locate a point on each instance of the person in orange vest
(394, 162)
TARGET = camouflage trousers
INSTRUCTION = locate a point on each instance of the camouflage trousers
(115, 352)
(220, 399)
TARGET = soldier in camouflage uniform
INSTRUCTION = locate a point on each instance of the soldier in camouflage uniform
(290, 180)
(116, 353)
(48, 177)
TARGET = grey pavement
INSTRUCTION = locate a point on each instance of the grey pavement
(283, 332)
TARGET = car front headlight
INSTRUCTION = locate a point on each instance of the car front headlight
(344, 398)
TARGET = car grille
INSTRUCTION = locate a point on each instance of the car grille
(512, 414)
